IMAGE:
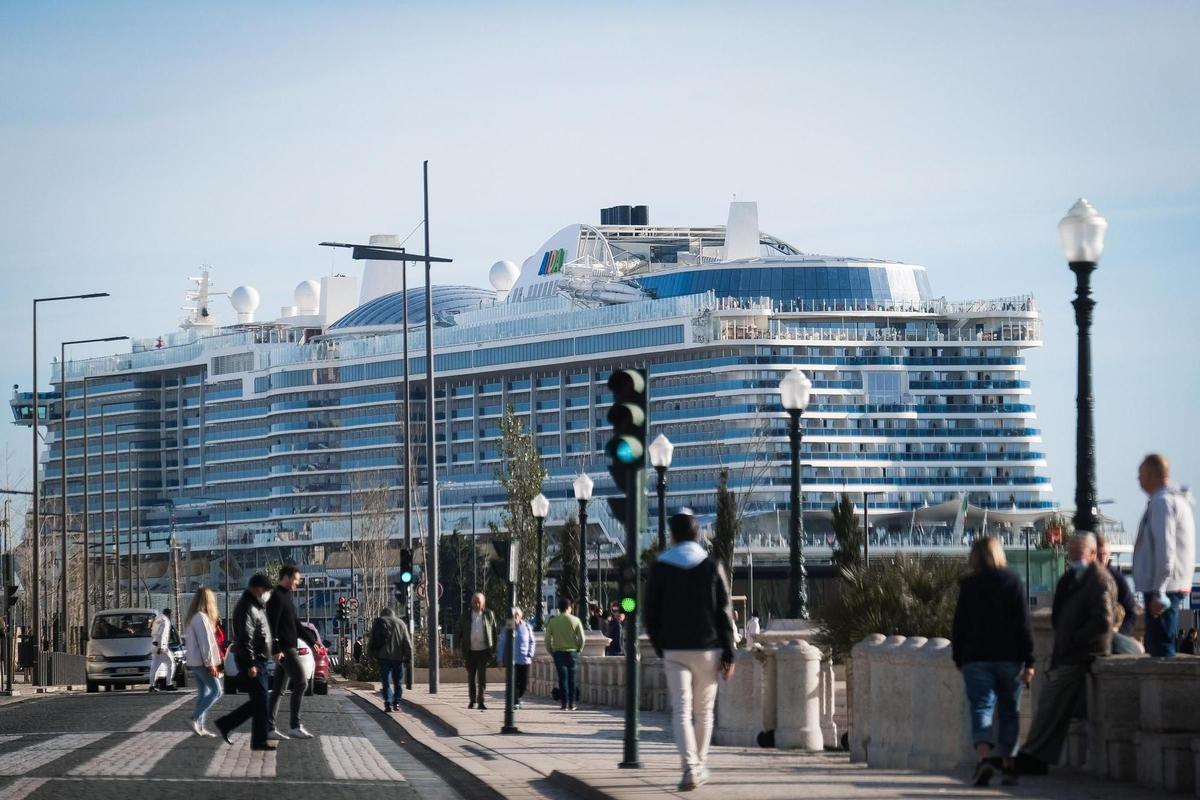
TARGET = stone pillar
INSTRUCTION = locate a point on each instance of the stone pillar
(884, 706)
(766, 671)
(739, 704)
(910, 690)
(1114, 709)
(929, 714)
(858, 694)
(829, 731)
(946, 711)
(1168, 723)
(798, 700)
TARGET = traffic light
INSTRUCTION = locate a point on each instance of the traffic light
(628, 588)
(407, 576)
(10, 596)
(626, 450)
(499, 560)
(343, 610)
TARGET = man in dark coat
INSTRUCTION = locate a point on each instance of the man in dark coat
(252, 640)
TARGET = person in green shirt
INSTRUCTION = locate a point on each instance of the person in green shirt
(564, 641)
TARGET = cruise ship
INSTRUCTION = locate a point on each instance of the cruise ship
(255, 441)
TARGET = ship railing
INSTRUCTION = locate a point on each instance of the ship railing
(732, 330)
(937, 306)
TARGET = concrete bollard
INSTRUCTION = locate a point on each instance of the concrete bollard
(766, 670)
(739, 704)
(798, 700)
(948, 713)
(829, 731)
(928, 713)
(885, 701)
(862, 657)
(909, 699)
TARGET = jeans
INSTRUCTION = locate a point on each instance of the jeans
(256, 707)
(566, 662)
(477, 661)
(289, 672)
(994, 700)
(692, 683)
(1160, 630)
(391, 674)
(208, 692)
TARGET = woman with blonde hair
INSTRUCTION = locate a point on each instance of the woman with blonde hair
(203, 655)
(992, 644)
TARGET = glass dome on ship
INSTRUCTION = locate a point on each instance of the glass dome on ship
(919, 406)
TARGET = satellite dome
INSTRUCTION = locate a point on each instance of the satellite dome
(503, 275)
(308, 297)
(244, 300)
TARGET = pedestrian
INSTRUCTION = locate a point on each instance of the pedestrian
(1123, 645)
(1082, 616)
(753, 628)
(689, 619)
(253, 646)
(219, 635)
(564, 642)
(1125, 597)
(1191, 643)
(615, 631)
(357, 651)
(477, 640)
(391, 648)
(285, 634)
(203, 655)
(1164, 555)
(992, 646)
(160, 638)
(525, 648)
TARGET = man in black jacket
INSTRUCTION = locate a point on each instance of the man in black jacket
(285, 628)
(252, 647)
(689, 619)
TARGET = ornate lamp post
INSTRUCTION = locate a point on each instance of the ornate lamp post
(540, 507)
(583, 493)
(794, 391)
(660, 457)
(1082, 233)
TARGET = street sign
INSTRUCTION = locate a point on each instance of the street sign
(353, 603)
(513, 560)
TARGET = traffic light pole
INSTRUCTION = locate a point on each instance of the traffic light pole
(510, 676)
(633, 658)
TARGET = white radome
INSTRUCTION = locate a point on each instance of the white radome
(244, 299)
(503, 275)
(308, 297)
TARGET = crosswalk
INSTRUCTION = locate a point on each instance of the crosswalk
(115, 755)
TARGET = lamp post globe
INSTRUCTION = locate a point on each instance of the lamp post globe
(1081, 233)
(661, 451)
(540, 507)
(582, 486)
(794, 392)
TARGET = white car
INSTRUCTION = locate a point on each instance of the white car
(119, 649)
(306, 661)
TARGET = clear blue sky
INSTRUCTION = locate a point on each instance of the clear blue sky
(138, 141)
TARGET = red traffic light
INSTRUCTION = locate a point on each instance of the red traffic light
(341, 601)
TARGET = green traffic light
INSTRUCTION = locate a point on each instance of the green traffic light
(406, 577)
(628, 605)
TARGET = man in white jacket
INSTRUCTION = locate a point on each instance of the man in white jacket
(160, 640)
(1164, 556)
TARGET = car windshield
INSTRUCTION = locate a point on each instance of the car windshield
(122, 626)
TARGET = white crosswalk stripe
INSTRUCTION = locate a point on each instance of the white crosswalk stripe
(8, 737)
(145, 722)
(21, 788)
(27, 759)
(239, 761)
(137, 755)
(355, 758)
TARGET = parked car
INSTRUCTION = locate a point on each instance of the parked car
(307, 661)
(320, 679)
(119, 649)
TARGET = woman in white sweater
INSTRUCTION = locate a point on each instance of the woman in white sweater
(203, 655)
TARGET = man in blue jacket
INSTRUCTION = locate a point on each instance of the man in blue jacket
(526, 646)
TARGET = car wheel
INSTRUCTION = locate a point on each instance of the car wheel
(308, 689)
(230, 685)
(92, 687)
(320, 687)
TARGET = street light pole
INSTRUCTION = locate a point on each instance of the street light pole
(33, 475)
(540, 507)
(582, 487)
(433, 532)
(1082, 234)
(794, 390)
(661, 450)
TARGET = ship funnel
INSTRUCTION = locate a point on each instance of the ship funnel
(741, 234)
(381, 277)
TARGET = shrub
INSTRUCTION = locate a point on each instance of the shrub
(905, 595)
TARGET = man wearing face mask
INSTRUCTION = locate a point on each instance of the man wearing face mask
(252, 640)
(1083, 618)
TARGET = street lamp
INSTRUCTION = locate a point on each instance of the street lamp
(794, 391)
(583, 493)
(660, 457)
(37, 511)
(540, 507)
(1082, 233)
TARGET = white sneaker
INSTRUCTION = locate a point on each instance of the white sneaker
(198, 727)
(276, 736)
(206, 732)
(299, 733)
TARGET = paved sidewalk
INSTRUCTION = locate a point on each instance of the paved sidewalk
(578, 752)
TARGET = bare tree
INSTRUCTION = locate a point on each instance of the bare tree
(373, 558)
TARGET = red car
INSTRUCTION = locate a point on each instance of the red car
(320, 678)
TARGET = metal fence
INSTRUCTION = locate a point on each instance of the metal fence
(60, 669)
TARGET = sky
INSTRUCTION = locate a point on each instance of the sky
(139, 141)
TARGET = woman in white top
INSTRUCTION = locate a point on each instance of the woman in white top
(203, 655)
